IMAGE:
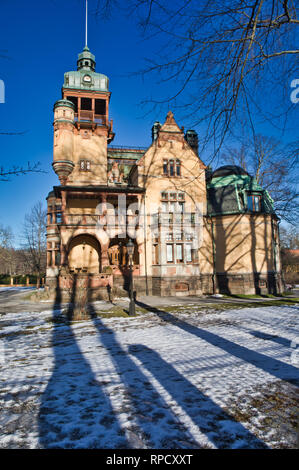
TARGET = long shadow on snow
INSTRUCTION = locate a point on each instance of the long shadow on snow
(133, 378)
(75, 410)
(219, 427)
(154, 426)
(277, 368)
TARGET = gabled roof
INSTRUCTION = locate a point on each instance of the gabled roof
(170, 125)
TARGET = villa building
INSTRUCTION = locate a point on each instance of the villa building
(195, 231)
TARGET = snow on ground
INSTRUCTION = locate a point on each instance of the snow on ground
(16, 288)
(181, 379)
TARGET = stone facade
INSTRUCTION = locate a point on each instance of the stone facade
(160, 197)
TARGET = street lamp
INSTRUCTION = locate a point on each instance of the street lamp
(130, 251)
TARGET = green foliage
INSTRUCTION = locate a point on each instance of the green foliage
(4, 279)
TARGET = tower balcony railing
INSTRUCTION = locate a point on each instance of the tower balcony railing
(90, 116)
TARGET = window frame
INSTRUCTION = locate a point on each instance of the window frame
(181, 247)
(253, 207)
(172, 253)
(85, 165)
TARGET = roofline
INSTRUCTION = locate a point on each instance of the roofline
(99, 189)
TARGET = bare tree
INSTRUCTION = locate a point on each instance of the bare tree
(224, 59)
(7, 173)
(6, 240)
(34, 239)
(273, 168)
(289, 238)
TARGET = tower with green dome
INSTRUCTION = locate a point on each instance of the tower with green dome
(82, 129)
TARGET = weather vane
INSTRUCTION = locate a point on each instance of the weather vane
(86, 25)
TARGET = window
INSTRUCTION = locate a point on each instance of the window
(173, 196)
(171, 168)
(172, 207)
(85, 165)
(179, 253)
(74, 100)
(100, 107)
(188, 252)
(86, 104)
(155, 220)
(178, 168)
(164, 207)
(181, 206)
(58, 217)
(57, 258)
(254, 203)
(181, 196)
(164, 196)
(169, 253)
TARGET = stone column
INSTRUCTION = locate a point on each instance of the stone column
(62, 254)
(104, 247)
(63, 207)
(53, 258)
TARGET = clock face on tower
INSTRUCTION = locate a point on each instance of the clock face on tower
(87, 78)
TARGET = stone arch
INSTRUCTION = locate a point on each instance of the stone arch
(84, 254)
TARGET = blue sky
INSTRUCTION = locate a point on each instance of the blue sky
(40, 42)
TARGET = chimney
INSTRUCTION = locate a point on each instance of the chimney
(155, 130)
(192, 138)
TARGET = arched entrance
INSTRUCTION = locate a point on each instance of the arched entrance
(84, 255)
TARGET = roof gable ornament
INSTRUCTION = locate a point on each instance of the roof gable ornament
(170, 124)
(170, 118)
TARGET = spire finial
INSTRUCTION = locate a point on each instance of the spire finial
(86, 24)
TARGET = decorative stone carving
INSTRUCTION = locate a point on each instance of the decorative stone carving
(63, 168)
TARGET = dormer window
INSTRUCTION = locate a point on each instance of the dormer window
(254, 203)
